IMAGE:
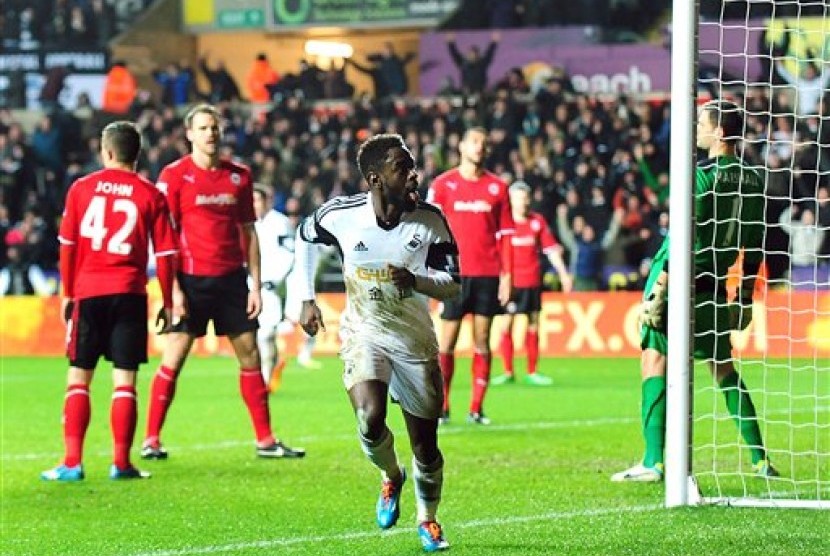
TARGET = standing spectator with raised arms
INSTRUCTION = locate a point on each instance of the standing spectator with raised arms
(110, 219)
(211, 201)
(473, 65)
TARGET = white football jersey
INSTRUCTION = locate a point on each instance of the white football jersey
(377, 313)
(276, 246)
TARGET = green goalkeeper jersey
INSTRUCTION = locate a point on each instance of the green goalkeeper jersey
(729, 209)
(729, 214)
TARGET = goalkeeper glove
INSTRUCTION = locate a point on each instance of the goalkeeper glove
(740, 314)
(653, 308)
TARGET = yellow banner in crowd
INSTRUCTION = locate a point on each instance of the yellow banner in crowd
(602, 324)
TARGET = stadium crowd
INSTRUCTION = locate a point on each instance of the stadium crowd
(597, 166)
(32, 24)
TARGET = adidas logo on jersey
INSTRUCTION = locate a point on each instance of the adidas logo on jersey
(360, 246)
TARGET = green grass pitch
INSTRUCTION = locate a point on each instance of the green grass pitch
(535, 482)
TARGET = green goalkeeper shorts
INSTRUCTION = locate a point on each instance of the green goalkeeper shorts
(713, 328)
(712, 331)
(652, 338)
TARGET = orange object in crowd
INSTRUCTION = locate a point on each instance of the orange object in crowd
(119, 90)
(259, 78)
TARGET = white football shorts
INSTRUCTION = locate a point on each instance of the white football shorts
(271, 314)
(415, 384)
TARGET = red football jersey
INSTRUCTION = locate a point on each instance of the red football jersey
(110, 216)
(208, 206)
(478, 213)
(532, 235)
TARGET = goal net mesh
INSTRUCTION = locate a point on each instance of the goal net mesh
(772, 58)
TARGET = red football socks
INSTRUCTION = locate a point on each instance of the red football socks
(506, 349)
(481, 378)
(162, 392)
(255, 394)
(123, 416)
(76, 414)
(447, 363)
(532, 347)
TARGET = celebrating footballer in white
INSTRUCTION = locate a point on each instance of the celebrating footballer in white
(397, 252)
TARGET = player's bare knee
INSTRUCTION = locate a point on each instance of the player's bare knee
(371, 421)
(245, 347)
(652, 364)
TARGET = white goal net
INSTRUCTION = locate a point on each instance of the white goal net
(772, 59)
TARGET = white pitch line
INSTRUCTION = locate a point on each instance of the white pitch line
(489, 522)
(450, 430)
(445, 431)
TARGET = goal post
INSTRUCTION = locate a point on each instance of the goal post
(771, 58)
(679, 378)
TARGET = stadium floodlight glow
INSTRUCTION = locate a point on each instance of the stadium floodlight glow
(329, 49)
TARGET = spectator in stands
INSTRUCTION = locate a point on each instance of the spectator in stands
(447, 87)
(56, 25)
(586, 249)
(823, 222)
(20, 276)
(809, 84)
(374, 72)
(310, 80)
(393, 68)
(52, 87)
(177, 84)
(334, 81)
(46, 145)
(119, 89)
(473, 65)
(29, 35)
(806, 238)
(261, 80)
(102, 14)
(40, 237)
(221, 85)
(80, 33)
(85, 115)
(778, 49)
(16, 169)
